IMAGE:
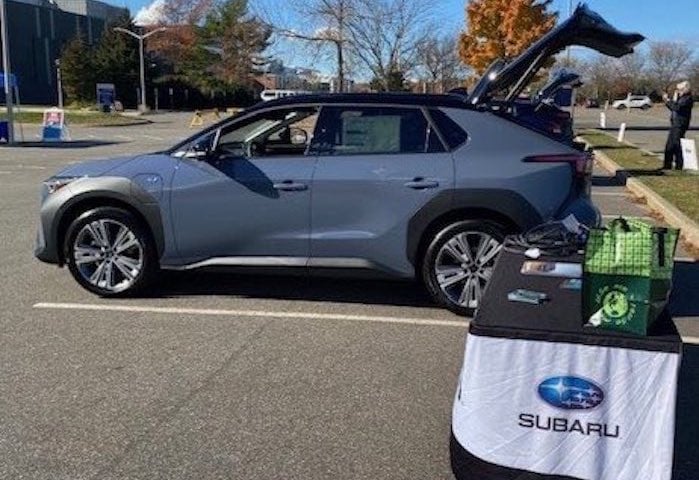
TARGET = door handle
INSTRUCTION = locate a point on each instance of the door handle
(420, 183)
(290, 186)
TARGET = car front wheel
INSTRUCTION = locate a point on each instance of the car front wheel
(459, 262)
(110, 252)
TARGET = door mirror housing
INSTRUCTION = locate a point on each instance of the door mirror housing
(201, 147)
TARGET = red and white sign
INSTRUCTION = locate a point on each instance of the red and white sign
(54, 117)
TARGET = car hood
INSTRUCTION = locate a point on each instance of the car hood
(584, 28)
(94, 168)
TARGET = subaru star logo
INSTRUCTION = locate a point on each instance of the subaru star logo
(570, 393)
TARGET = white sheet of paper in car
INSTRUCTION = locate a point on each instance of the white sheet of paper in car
(552, 269)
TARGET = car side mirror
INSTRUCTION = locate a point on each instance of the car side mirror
(200, 149)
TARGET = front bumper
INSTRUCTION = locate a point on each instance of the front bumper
(43, 250)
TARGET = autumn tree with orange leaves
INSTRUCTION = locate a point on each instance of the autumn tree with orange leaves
(502, 29)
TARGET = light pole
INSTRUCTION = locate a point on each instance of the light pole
(142, 107)
(570, 14)
(59, 83)
(8, 73)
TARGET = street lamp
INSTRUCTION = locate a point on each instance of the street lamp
(140, 39)
(59, 83)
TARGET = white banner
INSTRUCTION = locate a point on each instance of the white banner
(689, 154)
(590, 412)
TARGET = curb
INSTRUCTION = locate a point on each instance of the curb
(671, 214)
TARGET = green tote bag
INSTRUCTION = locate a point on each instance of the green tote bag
(627, 274)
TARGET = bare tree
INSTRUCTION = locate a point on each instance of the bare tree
(439, 63)
(385, 35)
(328, 27)
(631, 72)
(667, 61)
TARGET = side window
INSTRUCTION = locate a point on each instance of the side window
(280, 132)
(374, 130)
(452, 133)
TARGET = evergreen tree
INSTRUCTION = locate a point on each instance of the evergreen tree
(77, 71)
(237, 37)
(116, 59)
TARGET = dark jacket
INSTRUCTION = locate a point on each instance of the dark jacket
(681, 111)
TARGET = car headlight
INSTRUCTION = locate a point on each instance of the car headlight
(54, 184)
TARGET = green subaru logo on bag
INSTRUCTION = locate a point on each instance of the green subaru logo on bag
(616, 305)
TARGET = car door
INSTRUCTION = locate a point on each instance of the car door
(244, 198)
(377, 166)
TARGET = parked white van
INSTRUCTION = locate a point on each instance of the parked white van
(274, 94)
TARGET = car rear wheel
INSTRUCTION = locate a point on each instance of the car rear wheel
(459, 263)
(621, 107)
(109, 252)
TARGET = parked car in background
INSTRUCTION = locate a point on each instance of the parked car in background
(591, 103)
(410, 186)
(633, 101)
(275, 94)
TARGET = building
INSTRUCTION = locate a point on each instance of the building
(37, 32)
(274, 75)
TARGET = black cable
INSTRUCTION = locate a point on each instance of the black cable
(551, 239)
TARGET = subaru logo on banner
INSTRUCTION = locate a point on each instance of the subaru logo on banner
(570, 393)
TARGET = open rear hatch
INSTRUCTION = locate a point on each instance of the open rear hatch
(584, 28)
(561, 79)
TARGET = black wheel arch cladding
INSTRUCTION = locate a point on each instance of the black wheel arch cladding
(502, 204)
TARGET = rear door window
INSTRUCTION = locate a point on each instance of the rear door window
(374, 130)
(452, 133)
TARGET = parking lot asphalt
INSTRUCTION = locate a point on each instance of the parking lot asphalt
(645, 129)
(232, 376)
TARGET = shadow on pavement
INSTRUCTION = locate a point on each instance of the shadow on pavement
(601, 181)
(685, 286)
(294, 287)
(66, 144)
(687, 417)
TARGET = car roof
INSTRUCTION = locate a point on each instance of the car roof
(391, 98)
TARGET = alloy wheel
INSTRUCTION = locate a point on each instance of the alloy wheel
(108, 255)
(464, 265)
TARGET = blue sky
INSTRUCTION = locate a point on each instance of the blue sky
(676, 20)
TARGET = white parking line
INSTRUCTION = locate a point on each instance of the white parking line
(269, 314)
(251, 313)
(152, 137)
(123, 136)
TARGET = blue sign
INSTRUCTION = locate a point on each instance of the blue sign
(570, 393)
(52, 133)
(13, 80)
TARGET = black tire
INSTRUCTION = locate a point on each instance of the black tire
(645, 107)
(429, 275)
(621, 107)
(147, 253)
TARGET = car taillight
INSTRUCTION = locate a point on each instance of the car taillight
(581, 163)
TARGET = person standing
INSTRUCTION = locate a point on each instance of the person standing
(681, 113)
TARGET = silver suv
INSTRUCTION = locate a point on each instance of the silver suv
(413, 186)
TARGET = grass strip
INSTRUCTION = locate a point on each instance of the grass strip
(677, 187)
